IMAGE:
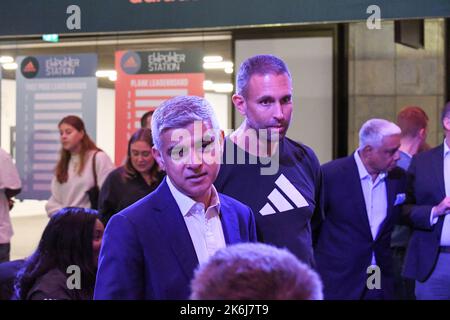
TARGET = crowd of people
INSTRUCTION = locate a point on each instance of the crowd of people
(194, 214)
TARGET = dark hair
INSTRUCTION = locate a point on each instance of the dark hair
(411, 120)
(145, 117)
(66, 240)
(261, 65)
(86, 144)
(255, 271)
(145, 135)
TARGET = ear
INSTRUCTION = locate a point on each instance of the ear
(446, 123)
(366, 151)
(239, 103)
(423, 134)
(159, 159)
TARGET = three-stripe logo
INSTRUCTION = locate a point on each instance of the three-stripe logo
(279, 201)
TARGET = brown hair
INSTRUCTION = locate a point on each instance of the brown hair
(145, 135)
(411, 120)
(87, 144)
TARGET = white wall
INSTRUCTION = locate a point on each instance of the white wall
(8, 115)
(310, 61)
(106, 121)
(221, 105)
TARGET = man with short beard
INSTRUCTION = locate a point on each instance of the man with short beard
(278, 178)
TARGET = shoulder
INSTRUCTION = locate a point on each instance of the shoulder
(52, 285)
(101, 156)
(117, 173)
(231, 201)
(427, 155)
(5, 156)
(338, 164)
(141, 210)
(300, 151)
(238, 207)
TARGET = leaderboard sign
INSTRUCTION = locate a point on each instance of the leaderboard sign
(48, 89)
(147, 78)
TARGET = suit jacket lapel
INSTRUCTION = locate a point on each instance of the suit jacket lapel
(179, 238)
(438, 165)
(358, 198)
(230, 223)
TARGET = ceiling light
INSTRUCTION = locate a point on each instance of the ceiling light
(10, 66)
(229, 70)
(218, 65)
(223, 87)
(6, 59)
(106, 73)
(212, 59)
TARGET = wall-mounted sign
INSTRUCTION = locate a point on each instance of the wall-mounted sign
(48, 89)
(145, 79)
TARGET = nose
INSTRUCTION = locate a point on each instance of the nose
(278, 111)
(195, 159)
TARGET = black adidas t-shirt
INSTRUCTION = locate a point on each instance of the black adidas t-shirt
(284, 201)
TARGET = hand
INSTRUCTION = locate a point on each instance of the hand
(442, 208)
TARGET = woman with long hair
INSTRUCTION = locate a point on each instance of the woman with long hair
(74, 173)
(138, 177)
(69, 245)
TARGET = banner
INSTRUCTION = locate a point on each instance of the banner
(36, 17)
(48, 89)
(144, 80)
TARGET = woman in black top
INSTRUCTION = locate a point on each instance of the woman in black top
(137, 178)
(64, 265)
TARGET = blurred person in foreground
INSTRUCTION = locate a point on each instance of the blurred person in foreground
(255, 271)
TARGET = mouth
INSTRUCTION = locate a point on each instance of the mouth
(196, 177)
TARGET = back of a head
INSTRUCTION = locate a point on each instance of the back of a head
(411, 120)
(66, 240)
(258, 65)
(144, 118)
(255, 271)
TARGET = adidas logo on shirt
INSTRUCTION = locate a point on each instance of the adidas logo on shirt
(279, 201)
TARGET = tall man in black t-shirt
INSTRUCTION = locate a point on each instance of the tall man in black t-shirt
(278, 178)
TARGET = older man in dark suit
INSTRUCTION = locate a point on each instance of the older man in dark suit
(362, 197)
(428, 198)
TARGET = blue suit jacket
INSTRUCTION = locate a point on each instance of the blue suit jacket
(426, 189)
(345, 244)
(147, 252)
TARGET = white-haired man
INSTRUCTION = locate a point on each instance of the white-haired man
(362, 197)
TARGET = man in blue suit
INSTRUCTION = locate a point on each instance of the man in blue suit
(428, 204)
(362, 197)
(151, 249)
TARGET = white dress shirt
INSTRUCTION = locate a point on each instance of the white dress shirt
(205, 228)
(374, 197)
